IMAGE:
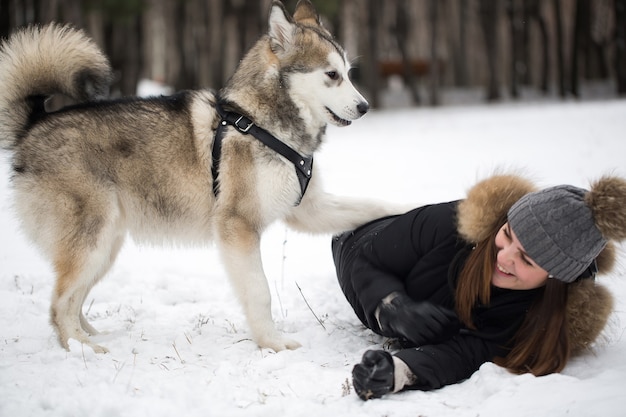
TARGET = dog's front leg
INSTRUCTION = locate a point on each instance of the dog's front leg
(240, 250)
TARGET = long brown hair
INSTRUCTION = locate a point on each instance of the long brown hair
(541, 345)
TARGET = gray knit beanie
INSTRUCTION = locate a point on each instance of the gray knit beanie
(556, 227)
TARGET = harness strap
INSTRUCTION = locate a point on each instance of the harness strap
(302, 164)
(216, 154)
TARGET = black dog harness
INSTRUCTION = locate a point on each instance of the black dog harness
(302, 164)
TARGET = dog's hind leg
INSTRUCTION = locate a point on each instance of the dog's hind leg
(76, 275)
(74, 280)
(241, 255)
(79, 266)
(87, 327)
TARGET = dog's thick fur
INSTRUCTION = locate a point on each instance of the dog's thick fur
(88, 174)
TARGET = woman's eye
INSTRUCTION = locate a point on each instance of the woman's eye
(332, 75)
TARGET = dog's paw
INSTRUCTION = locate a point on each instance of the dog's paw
(98, 348)
(278, 343)
(74, 345)
(291, 344)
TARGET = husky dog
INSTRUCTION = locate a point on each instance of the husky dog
(87, 175)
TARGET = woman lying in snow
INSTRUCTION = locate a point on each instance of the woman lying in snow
(506, 275)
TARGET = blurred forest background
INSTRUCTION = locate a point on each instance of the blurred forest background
(500, 49)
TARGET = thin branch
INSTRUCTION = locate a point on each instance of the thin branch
(309, 306)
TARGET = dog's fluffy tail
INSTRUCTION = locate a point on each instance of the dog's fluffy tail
(40, 61)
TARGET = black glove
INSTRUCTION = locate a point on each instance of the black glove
(373, 377)
(421, 322)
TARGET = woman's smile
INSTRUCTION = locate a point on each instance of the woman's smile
(502, 270)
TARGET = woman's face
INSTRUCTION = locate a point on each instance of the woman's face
(514, 269)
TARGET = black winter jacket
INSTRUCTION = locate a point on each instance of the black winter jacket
(421, 253)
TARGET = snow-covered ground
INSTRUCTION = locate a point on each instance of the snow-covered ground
(180, 345)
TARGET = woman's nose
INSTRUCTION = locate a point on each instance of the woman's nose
(505, 256)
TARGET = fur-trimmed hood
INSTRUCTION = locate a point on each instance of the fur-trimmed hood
(589, 304)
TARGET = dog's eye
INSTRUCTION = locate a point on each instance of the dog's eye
(333, 75)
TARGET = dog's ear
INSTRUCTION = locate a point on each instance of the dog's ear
(281, 28)
(306, 14)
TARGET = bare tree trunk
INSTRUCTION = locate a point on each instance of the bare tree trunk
(533, 12)
(461, 58)
(191, 32)
(434, 58)
(5, 18)
(601, 33)
(402, 35)
(517, 63)
(155, 47)
(71, 11)
(488, 22)
(95, 26)
(213, 43)
(579, 43)
(349, 29)
(620, 46)
(230, 39)
(132, 64)
(251, 21)
(545, 62)
(22, 12)
(370, 73)
(48, 10)
(558, 19)
(174, 52)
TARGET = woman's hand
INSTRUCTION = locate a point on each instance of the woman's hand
(374, 376)
(420, 322)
